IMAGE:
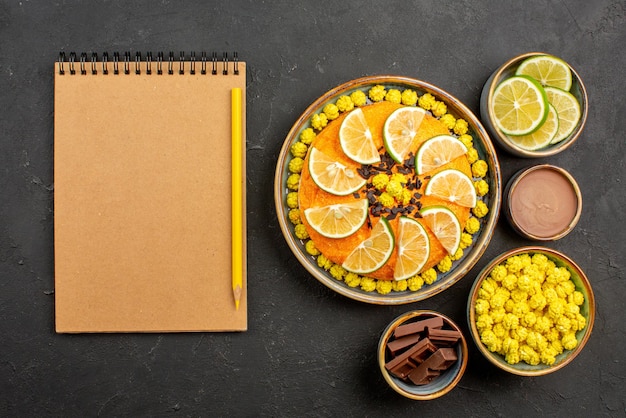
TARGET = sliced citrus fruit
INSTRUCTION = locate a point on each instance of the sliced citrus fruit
(413, 248)
(542, 137)
(356, 138)
(454, 186)
(438, 151)
(372, 253)
(568, 110)
(548, 70)
(338, 220)
(332, 176)
(519, 105)
(445, 226)
(399, 130)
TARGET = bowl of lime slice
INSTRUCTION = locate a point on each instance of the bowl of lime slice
(534, 105)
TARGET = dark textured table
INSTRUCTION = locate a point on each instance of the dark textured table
(308, 351)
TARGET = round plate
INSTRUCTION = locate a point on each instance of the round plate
(481, 239)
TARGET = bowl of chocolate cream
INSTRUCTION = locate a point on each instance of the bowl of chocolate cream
(543, 202)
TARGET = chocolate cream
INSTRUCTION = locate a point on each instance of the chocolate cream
(543, 203)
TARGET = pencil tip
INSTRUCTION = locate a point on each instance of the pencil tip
(237, 295)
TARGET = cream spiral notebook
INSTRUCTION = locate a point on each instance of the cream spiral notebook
(142, 193)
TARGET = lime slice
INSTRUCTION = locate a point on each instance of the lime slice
(413, 248)
(445, 226)
(568, 110)
(454, 186)
(542, 137)
(356, 138)
(519, 105)
(332, 176)
(372, 253)
(438, 151)
(338, 220)
(548, 70)
(399, 130)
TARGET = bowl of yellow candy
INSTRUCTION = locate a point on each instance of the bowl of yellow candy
(531, 311)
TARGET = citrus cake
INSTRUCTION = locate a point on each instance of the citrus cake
(385, 188)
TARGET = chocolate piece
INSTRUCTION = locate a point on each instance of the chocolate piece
(418, 326)
(403, 364)
(433, 365)
(400, 344)
(403, 368)
(396, 361)
(426, 349)
(423, 376)
(442, 359)
(443, 336)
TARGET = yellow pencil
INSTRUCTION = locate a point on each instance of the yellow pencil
(237, 197)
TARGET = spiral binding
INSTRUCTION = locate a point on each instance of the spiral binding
(127, 64)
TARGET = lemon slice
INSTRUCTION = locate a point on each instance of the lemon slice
(548, 70)
(568, 110)
(413, 248)
(454, 186)
(542, 137)
(332, 176)
(438, 151)
(338, 220)
(356, 138)
(399, 130)
(372, 253)
(519, 105)
(445, 226)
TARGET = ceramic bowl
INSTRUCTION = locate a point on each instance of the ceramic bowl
(486, 113)
(587, 309)
(545, 197)
(460, 267)
(442, 384)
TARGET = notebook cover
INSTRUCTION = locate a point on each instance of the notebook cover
(142, 202)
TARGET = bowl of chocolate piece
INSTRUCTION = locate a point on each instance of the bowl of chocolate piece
(422, 354)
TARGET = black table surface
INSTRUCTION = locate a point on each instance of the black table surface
(308, 350)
